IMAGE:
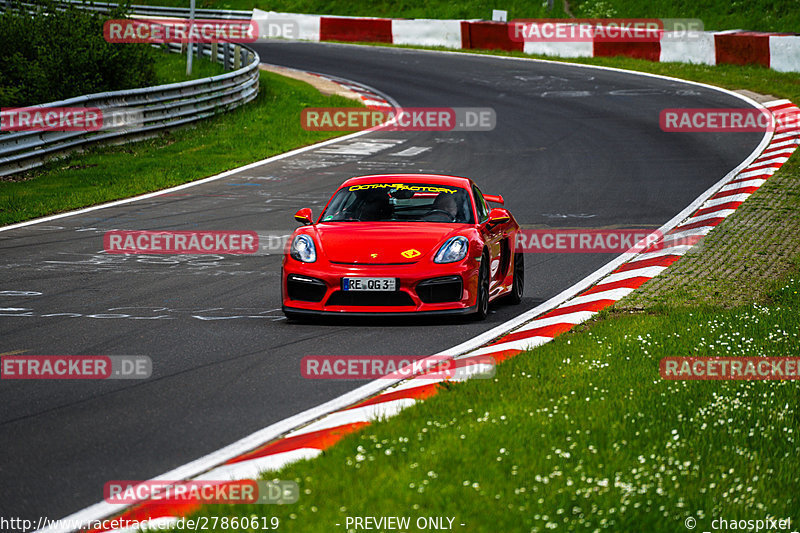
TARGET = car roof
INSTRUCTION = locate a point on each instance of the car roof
(435, 179)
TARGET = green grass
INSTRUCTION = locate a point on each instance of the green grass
(581, 434)
(757, 15)
(267, 126)
(171, 68)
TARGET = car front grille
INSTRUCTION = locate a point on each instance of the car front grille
(370, 298)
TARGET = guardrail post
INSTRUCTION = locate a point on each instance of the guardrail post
(237, 57)
(226, 55)
(214, 47)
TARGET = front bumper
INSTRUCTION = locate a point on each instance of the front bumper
(324, 282)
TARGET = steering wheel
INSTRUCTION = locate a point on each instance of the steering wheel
(450, 218)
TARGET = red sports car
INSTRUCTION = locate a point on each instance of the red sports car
(403, 244)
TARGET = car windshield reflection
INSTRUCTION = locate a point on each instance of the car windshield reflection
(400, 202)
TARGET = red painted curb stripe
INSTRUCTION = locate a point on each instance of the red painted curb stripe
(315, 439)
(664, 260)
(734, 192)
(777, 151)
(763, 166)
(748, 178)
(415, 393)
(551, 331)
(720, 207)
(707, 222)
(594, 306)
(630, 283)
(502, 355)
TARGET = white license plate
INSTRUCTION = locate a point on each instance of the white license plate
(369, 284)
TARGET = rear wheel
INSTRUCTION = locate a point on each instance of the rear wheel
(483, 290)
(518, 284)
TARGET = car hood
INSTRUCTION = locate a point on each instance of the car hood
(382, 242)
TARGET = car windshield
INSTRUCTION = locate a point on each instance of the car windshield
(400, 202)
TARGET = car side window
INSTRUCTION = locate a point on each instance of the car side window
(480, 205)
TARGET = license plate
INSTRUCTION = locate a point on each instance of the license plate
(369, 284)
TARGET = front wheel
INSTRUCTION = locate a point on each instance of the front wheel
(483, 290)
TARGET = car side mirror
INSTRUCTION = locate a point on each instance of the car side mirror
(498, 216)
(304, 216)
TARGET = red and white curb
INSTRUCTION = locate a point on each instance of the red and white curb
(390, 397)
(778, 51)
(368, 96)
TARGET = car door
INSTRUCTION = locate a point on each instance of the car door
(492, 237)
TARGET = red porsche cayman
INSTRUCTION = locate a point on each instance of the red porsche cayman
(403, 244)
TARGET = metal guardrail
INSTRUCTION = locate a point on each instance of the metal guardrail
(135, 114)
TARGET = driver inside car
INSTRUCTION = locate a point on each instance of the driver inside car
(445, 202)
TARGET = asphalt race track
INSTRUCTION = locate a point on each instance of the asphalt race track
(573, 147)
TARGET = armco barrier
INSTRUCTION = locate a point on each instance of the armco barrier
(156, 108)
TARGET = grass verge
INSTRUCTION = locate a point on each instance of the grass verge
(266, 126)
(581, 434)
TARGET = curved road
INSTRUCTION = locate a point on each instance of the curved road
(573, 147)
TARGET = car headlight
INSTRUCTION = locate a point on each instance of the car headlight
(303, 249)
(454, 249)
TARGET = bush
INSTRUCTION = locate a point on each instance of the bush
(50, 55)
